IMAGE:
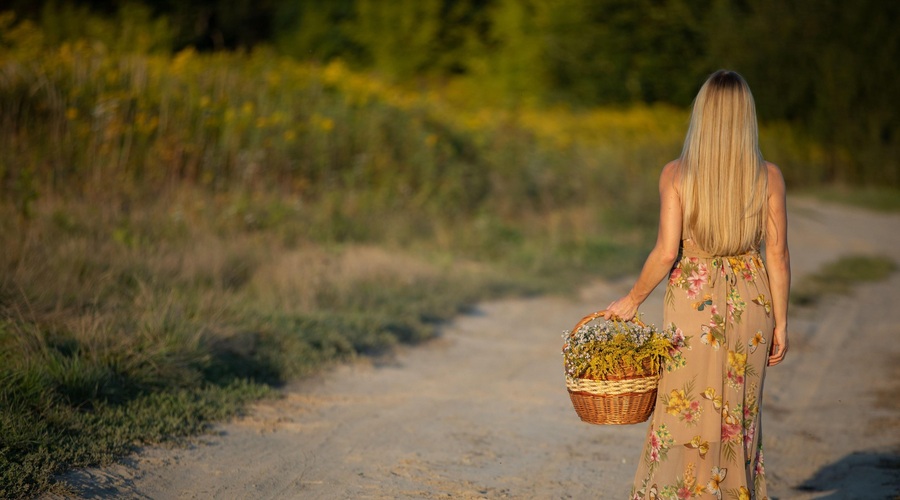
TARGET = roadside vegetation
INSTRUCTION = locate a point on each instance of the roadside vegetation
(183, 232)
(882, 199)
(840, 276)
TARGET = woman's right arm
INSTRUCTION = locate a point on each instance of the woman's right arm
(778, 261)
(664, 253)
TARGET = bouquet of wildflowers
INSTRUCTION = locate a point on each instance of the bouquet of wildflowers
(618, 348)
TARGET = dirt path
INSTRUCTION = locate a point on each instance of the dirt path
(482, 411)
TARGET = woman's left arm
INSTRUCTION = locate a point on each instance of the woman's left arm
(664, 253)
(778, 262)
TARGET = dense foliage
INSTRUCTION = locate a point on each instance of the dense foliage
(825, 67)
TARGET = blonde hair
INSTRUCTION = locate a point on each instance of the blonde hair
(723, 174)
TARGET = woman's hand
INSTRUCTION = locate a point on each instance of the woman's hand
(779, 346)
(624, 308)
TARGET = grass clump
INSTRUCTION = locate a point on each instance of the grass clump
(58, 435)
(882, 199)
(840, 276)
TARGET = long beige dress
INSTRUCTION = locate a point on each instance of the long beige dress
(704, 439)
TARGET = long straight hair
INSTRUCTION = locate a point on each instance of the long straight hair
(723, 174)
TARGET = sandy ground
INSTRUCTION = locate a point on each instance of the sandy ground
(482, 411)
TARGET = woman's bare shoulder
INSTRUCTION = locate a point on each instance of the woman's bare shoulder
(670, 176)
(776, 179)
(671, 170)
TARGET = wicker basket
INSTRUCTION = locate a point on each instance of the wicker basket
(623, 398)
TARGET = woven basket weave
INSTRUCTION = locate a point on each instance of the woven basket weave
(622, 398)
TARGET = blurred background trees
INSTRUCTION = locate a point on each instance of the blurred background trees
(827, 68)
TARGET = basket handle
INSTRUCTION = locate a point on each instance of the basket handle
(591, 317)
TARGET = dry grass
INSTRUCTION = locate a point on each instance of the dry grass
(144, 321)
(840, 276)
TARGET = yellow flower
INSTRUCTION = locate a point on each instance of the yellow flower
(277, 118)
(737, 361)
(677, 402)
(689, 478)
(181, 60)
(744, 493)
(335, 72)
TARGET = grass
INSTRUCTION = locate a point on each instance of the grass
(77, 437)
(840, 276)
(123, 324)
(882, 199)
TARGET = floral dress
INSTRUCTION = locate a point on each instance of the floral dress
(704, 440)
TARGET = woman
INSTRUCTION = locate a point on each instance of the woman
(719, 202)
